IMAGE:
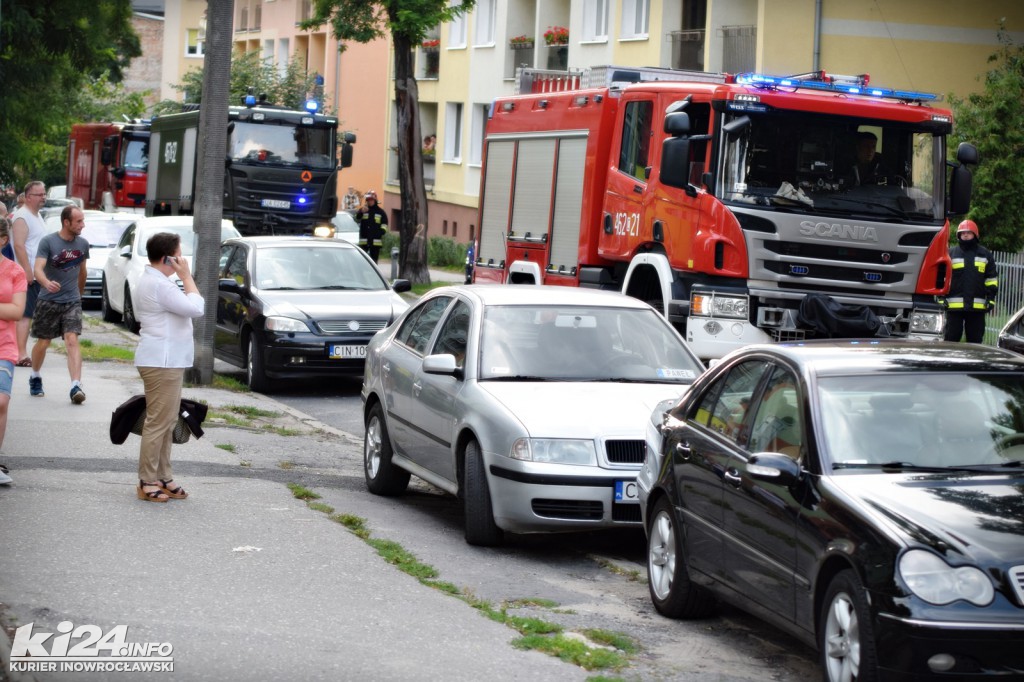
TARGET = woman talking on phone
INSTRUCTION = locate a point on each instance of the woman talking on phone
(165, 350)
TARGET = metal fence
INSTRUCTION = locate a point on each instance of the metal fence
(1010, 299)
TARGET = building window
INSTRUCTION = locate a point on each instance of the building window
(476, 136)
(634, 18)
(595, 19)
(283, 53)
(484, 26)
(195, 45)
(455, 229)
(457, 27)
(444, 227)
(453, 132)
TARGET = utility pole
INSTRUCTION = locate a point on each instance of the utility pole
(209, 205)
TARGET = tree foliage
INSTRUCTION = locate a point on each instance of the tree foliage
(407, 22)
(993, 120)
(290, 88)
(56, 58)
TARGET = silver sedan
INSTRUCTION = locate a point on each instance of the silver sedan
(529, 403)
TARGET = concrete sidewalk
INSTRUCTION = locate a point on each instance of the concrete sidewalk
(241, 579)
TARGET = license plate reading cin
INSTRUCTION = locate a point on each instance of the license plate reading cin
(345, 352)
(275, 203)
(626, 492)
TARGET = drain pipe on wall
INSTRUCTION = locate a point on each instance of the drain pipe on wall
(817, 35)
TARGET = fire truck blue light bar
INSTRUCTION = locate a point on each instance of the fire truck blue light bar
(758, 80)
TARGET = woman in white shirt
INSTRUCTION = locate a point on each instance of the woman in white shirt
(165, 350)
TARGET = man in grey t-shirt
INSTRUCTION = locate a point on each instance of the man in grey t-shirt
(60, 270)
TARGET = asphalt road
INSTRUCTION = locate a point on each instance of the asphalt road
(307, 576)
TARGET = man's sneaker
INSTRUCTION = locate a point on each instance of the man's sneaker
(77, 395)
(35, 386)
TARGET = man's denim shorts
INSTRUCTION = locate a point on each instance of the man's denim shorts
(6, 376)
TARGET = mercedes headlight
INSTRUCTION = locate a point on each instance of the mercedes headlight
(285, 324)
(555, 450)
(719, 305)
(935, 581)
(926, 322)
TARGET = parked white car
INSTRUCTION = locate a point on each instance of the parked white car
(126, 263)
(103, 231)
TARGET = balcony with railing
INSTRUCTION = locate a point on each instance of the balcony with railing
(687, 49)
(739, 48)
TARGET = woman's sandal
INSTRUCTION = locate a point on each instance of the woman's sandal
(157, 495)
(177, 492)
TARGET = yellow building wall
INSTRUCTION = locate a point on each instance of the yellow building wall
(785, 36)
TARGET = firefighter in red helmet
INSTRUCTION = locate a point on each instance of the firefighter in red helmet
(972, 291)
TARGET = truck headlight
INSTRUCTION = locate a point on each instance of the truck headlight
(719, 305)
(935, 581)
(285, 324)
(555, 450)
(927, 322)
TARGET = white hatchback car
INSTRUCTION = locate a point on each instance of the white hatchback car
(128, 260)
(103, 231)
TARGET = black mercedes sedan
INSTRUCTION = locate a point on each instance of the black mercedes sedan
(290, 307)
(865, 496)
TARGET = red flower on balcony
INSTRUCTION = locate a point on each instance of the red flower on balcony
(556, 35)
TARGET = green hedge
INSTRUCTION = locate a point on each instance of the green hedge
(441, 251)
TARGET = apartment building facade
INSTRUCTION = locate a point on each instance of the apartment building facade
(931, 45)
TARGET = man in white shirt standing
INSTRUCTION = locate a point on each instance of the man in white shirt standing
(164, 352)
(27, 228)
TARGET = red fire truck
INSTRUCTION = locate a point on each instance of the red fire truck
(725, 201)
(107, 164)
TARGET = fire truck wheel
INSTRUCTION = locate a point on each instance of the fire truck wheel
(480, 527)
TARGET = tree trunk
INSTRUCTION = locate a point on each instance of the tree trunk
(412, 257)
(209, 205)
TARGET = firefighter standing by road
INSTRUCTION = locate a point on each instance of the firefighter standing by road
(972, 292)
(373, 223)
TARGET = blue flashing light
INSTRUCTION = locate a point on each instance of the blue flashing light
(312, 106)
(759, 80)
(250, 100)
(302, 200)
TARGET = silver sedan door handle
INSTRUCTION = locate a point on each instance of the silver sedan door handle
(417, 387)
(385, 367)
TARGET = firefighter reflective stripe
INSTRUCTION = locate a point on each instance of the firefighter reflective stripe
(980, 305)
(992, 282)
(955, 302)
(958, 263)
(980, 262)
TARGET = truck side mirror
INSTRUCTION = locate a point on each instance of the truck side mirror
(961, 182)
(677, 124)
(117, 172)
(346, 155)
(675, 162)
(107, 153)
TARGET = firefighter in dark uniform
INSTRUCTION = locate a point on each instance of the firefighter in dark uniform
(972, 291)
(373, 223)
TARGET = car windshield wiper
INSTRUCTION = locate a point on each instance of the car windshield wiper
(890, 466)
(873, 204)
(523, 377)
(278, 289)
(1012, 464)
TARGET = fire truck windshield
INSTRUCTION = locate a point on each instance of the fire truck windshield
(135, 155)
(281, 144)
(832, 165)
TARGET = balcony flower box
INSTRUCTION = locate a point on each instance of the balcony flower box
(431, 45)
(556, 35)
(521, 43)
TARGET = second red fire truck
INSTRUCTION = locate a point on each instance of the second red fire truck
(726, 201)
